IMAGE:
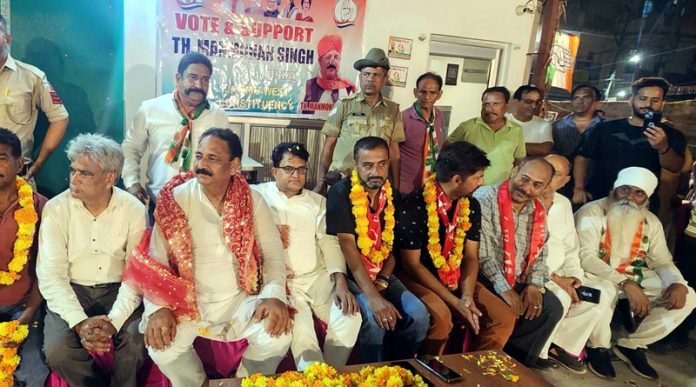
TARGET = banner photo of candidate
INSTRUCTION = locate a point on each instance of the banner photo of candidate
(270, 57)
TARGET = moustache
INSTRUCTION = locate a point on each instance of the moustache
(203, 171)
(194, 90)
(332, 66)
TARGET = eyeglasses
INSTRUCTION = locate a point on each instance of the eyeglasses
(288, 170)
(531, 101)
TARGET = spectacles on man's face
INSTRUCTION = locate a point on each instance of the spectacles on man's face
(288, 170)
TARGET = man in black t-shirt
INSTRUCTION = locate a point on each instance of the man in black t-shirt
(629, 142)
(360, 211)
(440, 265)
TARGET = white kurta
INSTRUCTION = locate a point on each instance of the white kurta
(226, 310)
(659, 273)
(310, 252)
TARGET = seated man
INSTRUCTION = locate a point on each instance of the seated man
(513, 255)
(86, 232)
(213, 268)
(438, 234)
(582, 320)
(624, 243)
(317, 279)
(360, 210)
(20, 299)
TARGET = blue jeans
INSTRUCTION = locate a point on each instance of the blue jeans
(410, 330)
(32, 370)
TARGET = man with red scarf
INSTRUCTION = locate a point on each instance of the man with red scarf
(322, 91)
(214, 267)
(442, 223)
(512, 255)
(168, 127)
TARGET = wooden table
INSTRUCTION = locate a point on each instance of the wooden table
(473, 374)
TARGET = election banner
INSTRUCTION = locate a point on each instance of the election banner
(270, 57)
(563, 53)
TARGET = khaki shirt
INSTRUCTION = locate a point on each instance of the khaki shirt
(352, 118)
(501, 147)
(24, 90)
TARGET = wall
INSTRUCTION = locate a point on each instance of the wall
(493, 20)
(79, 45)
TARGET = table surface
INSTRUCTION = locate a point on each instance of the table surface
(473, 375)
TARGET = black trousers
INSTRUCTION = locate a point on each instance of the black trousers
(66, 355)
(529, 336)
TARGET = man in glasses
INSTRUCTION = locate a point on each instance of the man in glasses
(317, 269)
(538, 137)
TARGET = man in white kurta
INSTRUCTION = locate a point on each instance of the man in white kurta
(85, 236)
(159, 119)
(624, 243)
(582, 320)
(316, 279)
(226, 311)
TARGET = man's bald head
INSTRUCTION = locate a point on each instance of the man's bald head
(562, 169)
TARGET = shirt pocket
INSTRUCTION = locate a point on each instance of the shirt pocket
(355, 127)
(386, 128)
(18, 108)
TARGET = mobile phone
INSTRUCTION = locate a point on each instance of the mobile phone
(651, 119)
(588, 294)
(408, 366)
(440, 370)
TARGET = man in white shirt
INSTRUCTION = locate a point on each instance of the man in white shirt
(214, 267)
(538, 135)
(317, 268)
(168, 127)
(624, 243)
(582, 320)
(85, 234)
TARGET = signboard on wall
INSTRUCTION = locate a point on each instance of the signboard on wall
(277, 58)
(476, 70)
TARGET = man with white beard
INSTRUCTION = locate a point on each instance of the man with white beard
(624, 243)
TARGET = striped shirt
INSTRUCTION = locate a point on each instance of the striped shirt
(567, 138)
(491, 244)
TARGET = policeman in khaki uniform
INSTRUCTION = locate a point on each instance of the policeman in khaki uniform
(23, 90)
(360, 115)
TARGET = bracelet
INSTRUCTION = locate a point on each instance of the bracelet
(578, 189)
(383, 277)
(381, 284)
(666, 150)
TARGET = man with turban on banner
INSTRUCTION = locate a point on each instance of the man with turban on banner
(214, 267)
(326, 88)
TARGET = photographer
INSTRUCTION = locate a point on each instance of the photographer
(641, 140)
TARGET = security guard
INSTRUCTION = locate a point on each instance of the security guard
(23, 90)
(360, 115)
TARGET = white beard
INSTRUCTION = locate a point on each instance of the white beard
(623, 219)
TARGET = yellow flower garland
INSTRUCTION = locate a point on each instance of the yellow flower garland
(26, 219)
(322, 374)
(457, 253)
(359, 199)
(11, 332)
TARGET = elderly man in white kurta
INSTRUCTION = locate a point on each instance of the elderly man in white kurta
(86, 234)
(316, 279)
(624, 243)
(214, 268)
(582, 320)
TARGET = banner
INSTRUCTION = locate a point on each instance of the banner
(270, 57)
(563, 53)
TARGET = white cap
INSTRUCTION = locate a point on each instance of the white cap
(637, 177)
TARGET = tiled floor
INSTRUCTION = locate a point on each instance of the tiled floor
(677, 368)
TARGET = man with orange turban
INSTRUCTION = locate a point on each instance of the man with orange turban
(322, 91)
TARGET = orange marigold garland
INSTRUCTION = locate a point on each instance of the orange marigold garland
(11, 333)
(359, 199)
(322, 374)
(454, 259)
(26, 219)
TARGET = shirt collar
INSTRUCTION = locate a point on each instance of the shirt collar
(10, 63)
(361, 97)
(114, 202)
(415, 114)
(300, 195)
(507, 126)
